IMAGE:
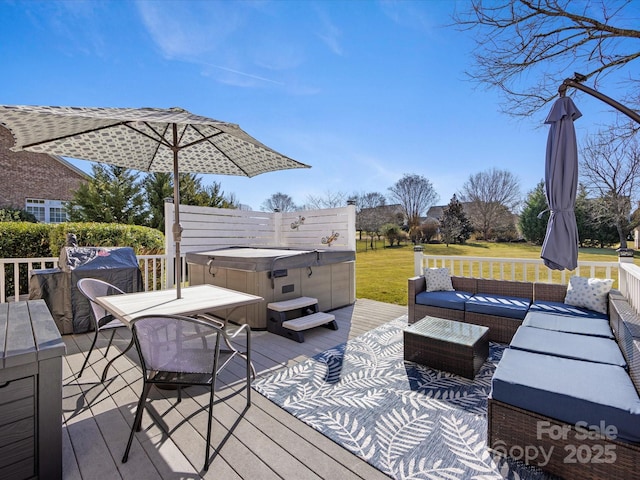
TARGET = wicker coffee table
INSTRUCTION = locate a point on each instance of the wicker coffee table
(455, 347)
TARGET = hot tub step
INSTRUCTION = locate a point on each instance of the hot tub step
(309, 321)
(290, 318)
(292, 304)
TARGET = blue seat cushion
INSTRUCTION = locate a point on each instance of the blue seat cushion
(564, 323)
(569, 390)
(454, 300)
(568, 345)
(559, 308)
(498, 305)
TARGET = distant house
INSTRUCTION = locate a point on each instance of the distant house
(436, 212)
(36, 182)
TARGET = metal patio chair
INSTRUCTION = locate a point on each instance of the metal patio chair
(102, 319)
(182, 351)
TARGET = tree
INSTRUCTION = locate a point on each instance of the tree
(504, 229)
(454, 223)
(279, 202)
(450, 228)
(330, 200)
(113, 195)
(393, 233)
(488, 194)
(159, 186)
(429, 229)
(415, 194)
(584, 218)
(609, 167)
(371, 213)
(533, 226)
(548, 40)
(213, 196)
(12, 214)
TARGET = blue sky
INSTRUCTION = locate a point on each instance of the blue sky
(362, 91)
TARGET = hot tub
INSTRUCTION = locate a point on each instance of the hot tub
(276, 274)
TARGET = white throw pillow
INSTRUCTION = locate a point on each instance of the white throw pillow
(438, 279)
(588, 293)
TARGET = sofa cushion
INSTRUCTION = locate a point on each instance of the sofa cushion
(437, 280)
(591, 293)
(454, 300)
(568, 345)
(569, 390)
(560, 308)
(498, 305)
(564, 323)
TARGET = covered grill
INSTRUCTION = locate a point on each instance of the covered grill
(277, 274)
(57, 286)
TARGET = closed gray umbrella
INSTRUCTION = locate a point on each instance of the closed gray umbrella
(145, 139)
(560, 247)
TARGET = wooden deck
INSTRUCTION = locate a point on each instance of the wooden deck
(262, 442)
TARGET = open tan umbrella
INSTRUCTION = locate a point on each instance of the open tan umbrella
(145, 139)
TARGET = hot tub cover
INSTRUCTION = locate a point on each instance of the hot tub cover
(268, 259)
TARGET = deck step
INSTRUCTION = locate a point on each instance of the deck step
(292, 304)
(309, 321)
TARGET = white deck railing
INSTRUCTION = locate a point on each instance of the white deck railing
(514, 269)
(629, 283)
(153, 267)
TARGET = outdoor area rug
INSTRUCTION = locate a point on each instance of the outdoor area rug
(407, 420)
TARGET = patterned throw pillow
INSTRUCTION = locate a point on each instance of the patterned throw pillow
(438, 279)
(588, 293)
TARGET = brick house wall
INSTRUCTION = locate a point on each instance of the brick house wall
(34, 175)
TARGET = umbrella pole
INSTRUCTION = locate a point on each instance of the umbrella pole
(575, 83)
(177, 228)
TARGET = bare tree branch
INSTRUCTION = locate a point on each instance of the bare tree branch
(415, 194)
(548, 40)
(609, 167)
(490, 194)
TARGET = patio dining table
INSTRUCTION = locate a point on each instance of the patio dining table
(195, 300)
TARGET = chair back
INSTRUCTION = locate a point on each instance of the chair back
(92, 288)
(174, 343)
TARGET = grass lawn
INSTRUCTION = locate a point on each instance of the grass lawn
(382, 273)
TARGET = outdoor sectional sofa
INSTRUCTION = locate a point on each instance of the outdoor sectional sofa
(499, 305)
(564, 395)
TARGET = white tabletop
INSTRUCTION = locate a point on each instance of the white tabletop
(195, 300)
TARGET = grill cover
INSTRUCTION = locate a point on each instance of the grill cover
(57, 286)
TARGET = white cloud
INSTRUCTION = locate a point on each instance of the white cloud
(330, 33)
(220, 38)
(186, 30)
(407, 14)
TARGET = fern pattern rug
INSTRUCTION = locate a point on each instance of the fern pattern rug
(407, 420)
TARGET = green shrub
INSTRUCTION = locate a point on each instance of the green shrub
(24, 240)
(10, 214)
(144, 240)
(31, 240)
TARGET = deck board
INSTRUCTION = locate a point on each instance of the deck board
(262, 442)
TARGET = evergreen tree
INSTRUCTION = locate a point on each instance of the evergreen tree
(113, 195)
(159, 186)
(454, 223)
(533, 228)
(450, 228)
(584, 217)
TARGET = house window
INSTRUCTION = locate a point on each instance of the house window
(57, 215)
(46, 211)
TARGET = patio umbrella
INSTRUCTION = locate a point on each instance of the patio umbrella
(560, 246)
(145, 139)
